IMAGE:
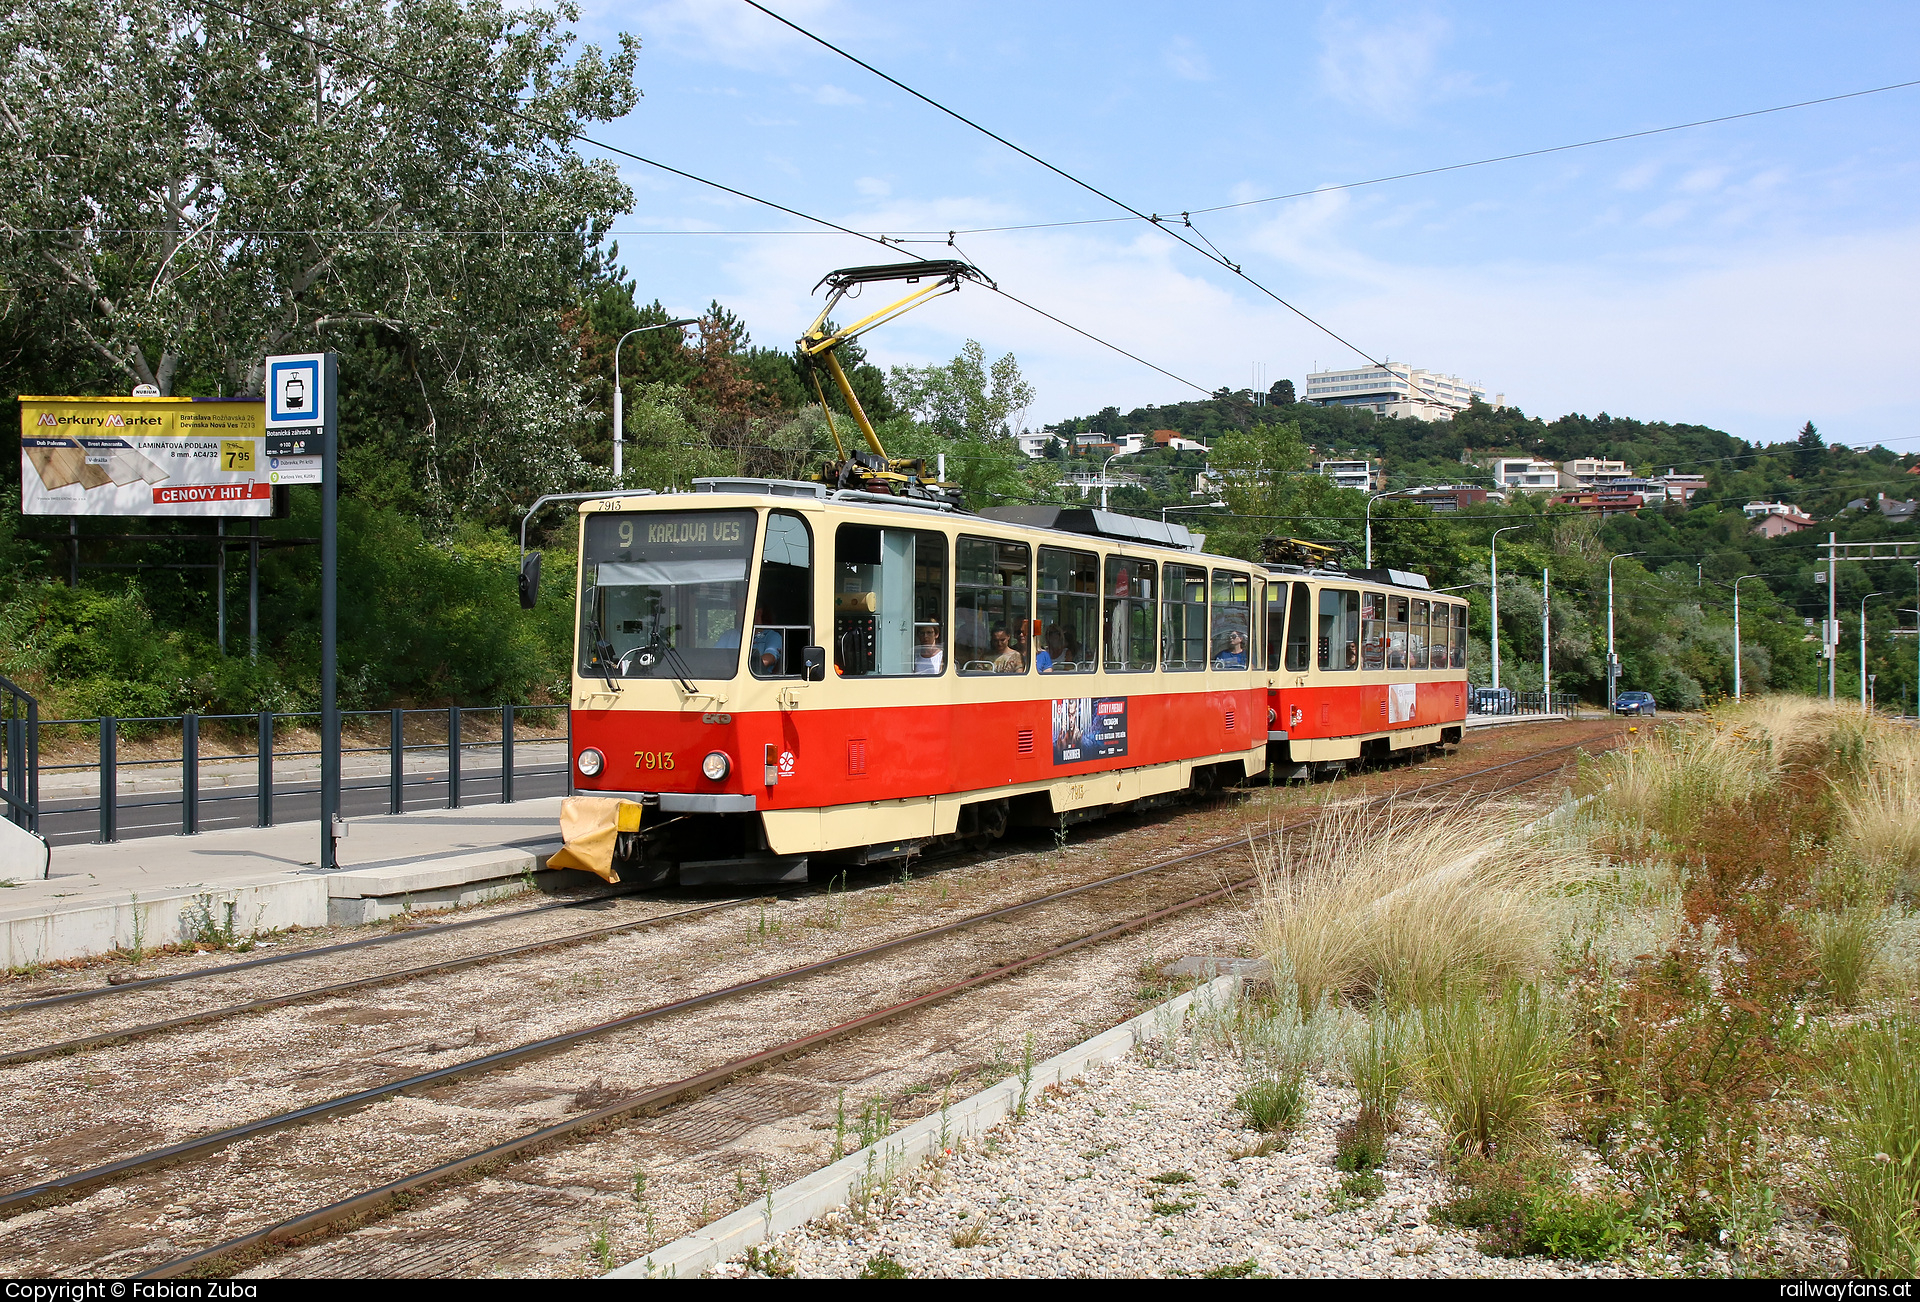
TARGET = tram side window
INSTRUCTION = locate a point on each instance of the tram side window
(1257, 648)
(1459, 637)
(992, 591)
(1232, 595)
(1396, 631)
(1300, 628)
(1183, 631)
(1069, 611)
(1440, 639)
(1373, 630)
(783, 610)
(1417, 636)
(1339, 630)
(1129, 615)
(889, 595)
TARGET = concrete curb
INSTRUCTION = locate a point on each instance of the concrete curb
(859, 1173)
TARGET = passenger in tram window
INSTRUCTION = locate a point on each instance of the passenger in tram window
(1232, 599)
(1339, 628)
(1006, 657)
(1235, 655)
(1053, 654)
(927, 655)
(1396, 631)
(1373, 630)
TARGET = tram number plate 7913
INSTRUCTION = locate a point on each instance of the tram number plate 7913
(653, 759)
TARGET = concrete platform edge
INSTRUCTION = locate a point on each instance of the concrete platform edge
(842, 1182)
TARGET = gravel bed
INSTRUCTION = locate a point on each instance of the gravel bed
(1070, 1191)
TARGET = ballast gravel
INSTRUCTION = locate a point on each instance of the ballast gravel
(1144, 1168)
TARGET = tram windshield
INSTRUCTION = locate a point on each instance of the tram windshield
(663, 594)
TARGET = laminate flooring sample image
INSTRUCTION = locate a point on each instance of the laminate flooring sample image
(126, 465)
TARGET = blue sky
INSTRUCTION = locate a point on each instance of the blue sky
(1749, 275)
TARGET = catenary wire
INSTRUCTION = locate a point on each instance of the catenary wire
(583, 138)
(1155, 219)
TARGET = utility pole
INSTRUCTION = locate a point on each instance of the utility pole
(1832, 638)
(1546, 640)
(1736, 633)
(619, 398)
(1613, 661)
(1863, 645)
(1496, 600)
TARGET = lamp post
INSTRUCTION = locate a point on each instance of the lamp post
(1123, 452)
(619, 399)
(1916, 638)
(1371, 499)
(1863, 645)
(1496, 600)
(1546, 641)
(1736, 632)
(1613, 663)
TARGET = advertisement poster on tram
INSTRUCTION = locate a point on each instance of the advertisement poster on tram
(144, 456)
(1089, 728)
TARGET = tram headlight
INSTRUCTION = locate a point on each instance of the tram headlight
(716, 765)
(590, 763)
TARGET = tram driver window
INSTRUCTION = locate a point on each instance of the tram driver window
(992, 587)
(1069, 611)
(889, 590)
(1129, 615)
(1183, 632)
(783, 604)
(1300, 628)
(1339, 630)
(1232, 597)
(1459, 637)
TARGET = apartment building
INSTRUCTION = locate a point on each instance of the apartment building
(1591, 472)
(1349, 474)
(1397, 389)
(1527, 474)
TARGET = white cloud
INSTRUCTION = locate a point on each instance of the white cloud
(829, 94)
(1387, 66)
(873, 187)
(731, 33)
(1186, 60)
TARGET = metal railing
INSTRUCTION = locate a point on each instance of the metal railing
(1505, 701)
(20, 780)
(458, 784)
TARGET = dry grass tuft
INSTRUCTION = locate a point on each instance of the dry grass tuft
(1406, 903)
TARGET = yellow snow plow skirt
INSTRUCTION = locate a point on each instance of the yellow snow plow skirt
(590, 826)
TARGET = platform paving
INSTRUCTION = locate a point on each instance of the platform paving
(256, 879)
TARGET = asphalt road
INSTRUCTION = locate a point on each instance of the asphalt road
(157, 813)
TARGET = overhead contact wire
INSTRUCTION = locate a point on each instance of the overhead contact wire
(1090, 188)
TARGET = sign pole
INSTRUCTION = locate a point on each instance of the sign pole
(329, 614)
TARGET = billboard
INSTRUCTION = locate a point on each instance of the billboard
(1089, 728)
(144, 456)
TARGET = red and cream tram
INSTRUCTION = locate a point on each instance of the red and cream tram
(772, 677)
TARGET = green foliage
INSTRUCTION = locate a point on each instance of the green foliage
(1489, 1065)
(1872, 1184)
(1274, 1105)
(883, 1267)
(1523, 1213)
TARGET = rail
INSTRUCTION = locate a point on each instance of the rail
(34, 792)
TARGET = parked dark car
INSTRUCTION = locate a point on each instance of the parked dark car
(1492, 700)
(1634, 703)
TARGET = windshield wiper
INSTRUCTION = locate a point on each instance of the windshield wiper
(603, 655)
(681, 670)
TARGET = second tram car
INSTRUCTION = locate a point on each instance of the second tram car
(773, 677)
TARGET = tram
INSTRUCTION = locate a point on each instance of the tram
(773, 678)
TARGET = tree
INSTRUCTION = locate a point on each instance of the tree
(1281, 394)
(189, 191)
(1809, 451)
(967, 409)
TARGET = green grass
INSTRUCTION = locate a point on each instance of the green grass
(1872, 1186)
(1274, 1106)
(1489, 1065)
(1527, 1215)
(883, 1267)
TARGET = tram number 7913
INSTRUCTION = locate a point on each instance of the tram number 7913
(653, 759)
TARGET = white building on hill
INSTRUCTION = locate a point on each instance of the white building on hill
(1397, 389)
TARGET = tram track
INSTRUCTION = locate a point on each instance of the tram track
(369, 1203)
(647, 1100)
(329, 990)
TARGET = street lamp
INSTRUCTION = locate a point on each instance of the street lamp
(619, 399)
(1496, 599)
(1736, 632)
(1613, 665)
(1370, 501)
(1863, 644)
(1123, 452)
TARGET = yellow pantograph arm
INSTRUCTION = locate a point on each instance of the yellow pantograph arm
(853, 404)
(839, 448)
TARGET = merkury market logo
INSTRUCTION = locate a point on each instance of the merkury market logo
(112, 420)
